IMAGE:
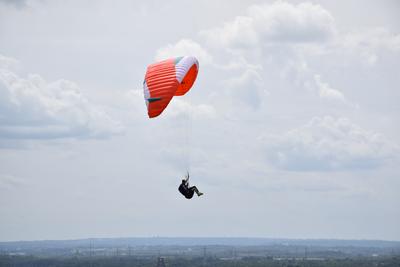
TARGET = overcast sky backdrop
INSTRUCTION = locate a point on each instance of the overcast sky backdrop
(294, 133)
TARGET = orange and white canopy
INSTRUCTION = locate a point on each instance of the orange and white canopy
(166, 79)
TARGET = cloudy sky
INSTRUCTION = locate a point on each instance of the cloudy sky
(291, 130)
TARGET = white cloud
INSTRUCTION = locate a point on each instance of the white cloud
(368, 43)
(239, 33)
(327, 143)
(288, 37)
(181, 108)
(268, 36)
(246, 88)
(33, 108)
(184, 47)
(284, 22)
(8, 63)
(325, 91)
(375, 38)
(299, 73)
(279, 22)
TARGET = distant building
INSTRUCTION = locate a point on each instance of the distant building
(160, 262)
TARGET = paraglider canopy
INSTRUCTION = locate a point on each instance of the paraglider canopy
(166, 79)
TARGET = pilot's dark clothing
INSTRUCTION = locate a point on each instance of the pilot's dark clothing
(187, 191)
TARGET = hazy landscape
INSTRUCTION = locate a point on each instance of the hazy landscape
(200, 252)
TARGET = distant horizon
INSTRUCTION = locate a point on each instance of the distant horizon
(199, 237)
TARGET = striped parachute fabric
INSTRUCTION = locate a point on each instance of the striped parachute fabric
(166, 79)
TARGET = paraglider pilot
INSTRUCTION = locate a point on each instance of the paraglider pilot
(187, 191)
